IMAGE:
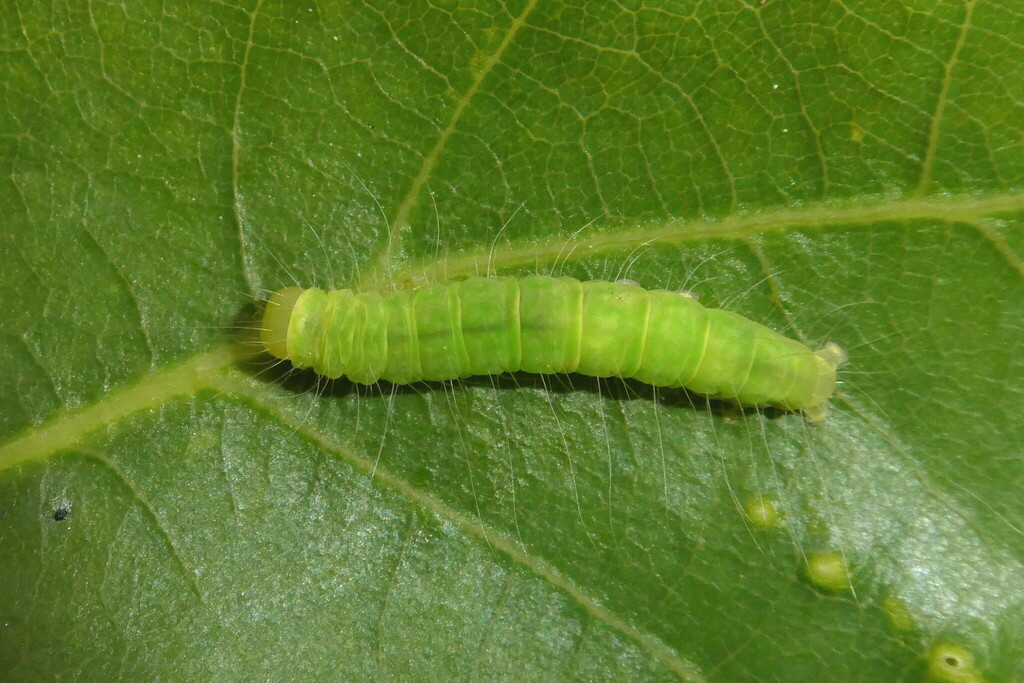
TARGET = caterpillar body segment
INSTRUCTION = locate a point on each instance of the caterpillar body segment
(543, 324)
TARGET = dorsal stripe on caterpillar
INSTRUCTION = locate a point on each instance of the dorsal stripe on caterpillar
(544, 324)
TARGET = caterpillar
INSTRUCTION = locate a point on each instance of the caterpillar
(542, 324)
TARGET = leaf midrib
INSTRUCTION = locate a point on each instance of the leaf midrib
(972, 210)
(214, 370)
(202, 371)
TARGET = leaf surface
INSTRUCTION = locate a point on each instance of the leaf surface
(846, 172)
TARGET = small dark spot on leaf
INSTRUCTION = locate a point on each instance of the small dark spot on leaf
(60, 514)
(952, 662)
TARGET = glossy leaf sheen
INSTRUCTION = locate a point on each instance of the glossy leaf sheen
(836, 171)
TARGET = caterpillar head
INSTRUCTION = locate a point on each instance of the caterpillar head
(276, 318)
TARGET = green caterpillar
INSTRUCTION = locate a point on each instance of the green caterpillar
(487, 326)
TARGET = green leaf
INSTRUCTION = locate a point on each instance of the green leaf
(849, 172)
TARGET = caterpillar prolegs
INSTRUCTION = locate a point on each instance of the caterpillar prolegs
(541, 324)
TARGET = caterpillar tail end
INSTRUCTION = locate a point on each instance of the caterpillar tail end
(274, 329)
(834, 356)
